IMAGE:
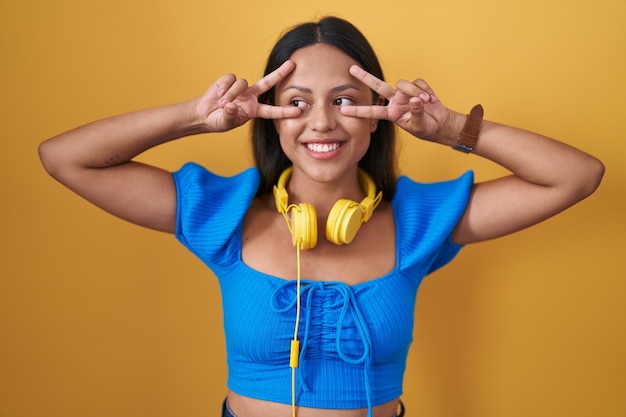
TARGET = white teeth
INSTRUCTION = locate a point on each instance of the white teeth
(318, 147)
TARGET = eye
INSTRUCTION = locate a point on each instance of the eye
(298, 103)
(343, 101)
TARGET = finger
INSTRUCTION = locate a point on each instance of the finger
(238, 87)
(228, 117)
(273, 78)
(416, 105)
(409, 88)
(365, 112)
(372, 82)
(224, 83)
(267, 111)
(230, 111)
(423, 85)
(417, 89)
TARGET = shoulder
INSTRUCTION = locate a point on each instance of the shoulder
(426, 214)
(192, 176)
(420, 199)
(211, 207)
(199, 188)
(411, 191)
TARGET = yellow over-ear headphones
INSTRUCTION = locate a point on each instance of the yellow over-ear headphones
(344, 220)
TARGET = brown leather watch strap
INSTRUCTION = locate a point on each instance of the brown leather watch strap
(469, 134)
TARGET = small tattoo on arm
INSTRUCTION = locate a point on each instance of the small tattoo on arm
(114, 160)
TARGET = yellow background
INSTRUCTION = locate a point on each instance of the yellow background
(102, 318)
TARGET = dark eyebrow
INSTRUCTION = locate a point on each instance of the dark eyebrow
(338, 89)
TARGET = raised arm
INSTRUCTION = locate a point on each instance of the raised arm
(96, 160)
(547, 176)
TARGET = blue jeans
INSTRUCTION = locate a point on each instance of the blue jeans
(226, 412)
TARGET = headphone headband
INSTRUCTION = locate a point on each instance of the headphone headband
(368, 204)
(280, 192)
(344, 220)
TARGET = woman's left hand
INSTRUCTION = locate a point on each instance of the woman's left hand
(412, 106)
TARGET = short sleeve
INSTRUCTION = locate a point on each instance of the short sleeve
(210, 210)
(426, 214)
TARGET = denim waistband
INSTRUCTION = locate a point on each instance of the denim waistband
(227, 412)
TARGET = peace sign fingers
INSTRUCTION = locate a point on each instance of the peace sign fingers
(267, 111)
(372, 82)
(273, 78)
(379, 112)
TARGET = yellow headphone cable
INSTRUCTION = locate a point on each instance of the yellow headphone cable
(295, 343)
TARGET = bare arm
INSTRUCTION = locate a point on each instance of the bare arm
(547, 176)
(96, 160)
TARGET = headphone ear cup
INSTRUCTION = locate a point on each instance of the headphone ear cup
(304, 226)
(344, 221)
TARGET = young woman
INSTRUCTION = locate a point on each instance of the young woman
(320, 248)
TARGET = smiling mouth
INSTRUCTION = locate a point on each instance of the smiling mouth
(323, 147)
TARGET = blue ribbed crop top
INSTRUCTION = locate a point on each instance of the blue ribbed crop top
(354, 339)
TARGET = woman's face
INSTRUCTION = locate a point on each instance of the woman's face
(321, 141)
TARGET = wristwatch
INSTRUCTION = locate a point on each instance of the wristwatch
(469, 134)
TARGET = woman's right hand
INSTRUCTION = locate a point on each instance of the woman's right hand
(135, 191)
(230, 102)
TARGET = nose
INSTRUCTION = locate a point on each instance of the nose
(321, 118)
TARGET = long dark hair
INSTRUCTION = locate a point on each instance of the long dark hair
(379, 160)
